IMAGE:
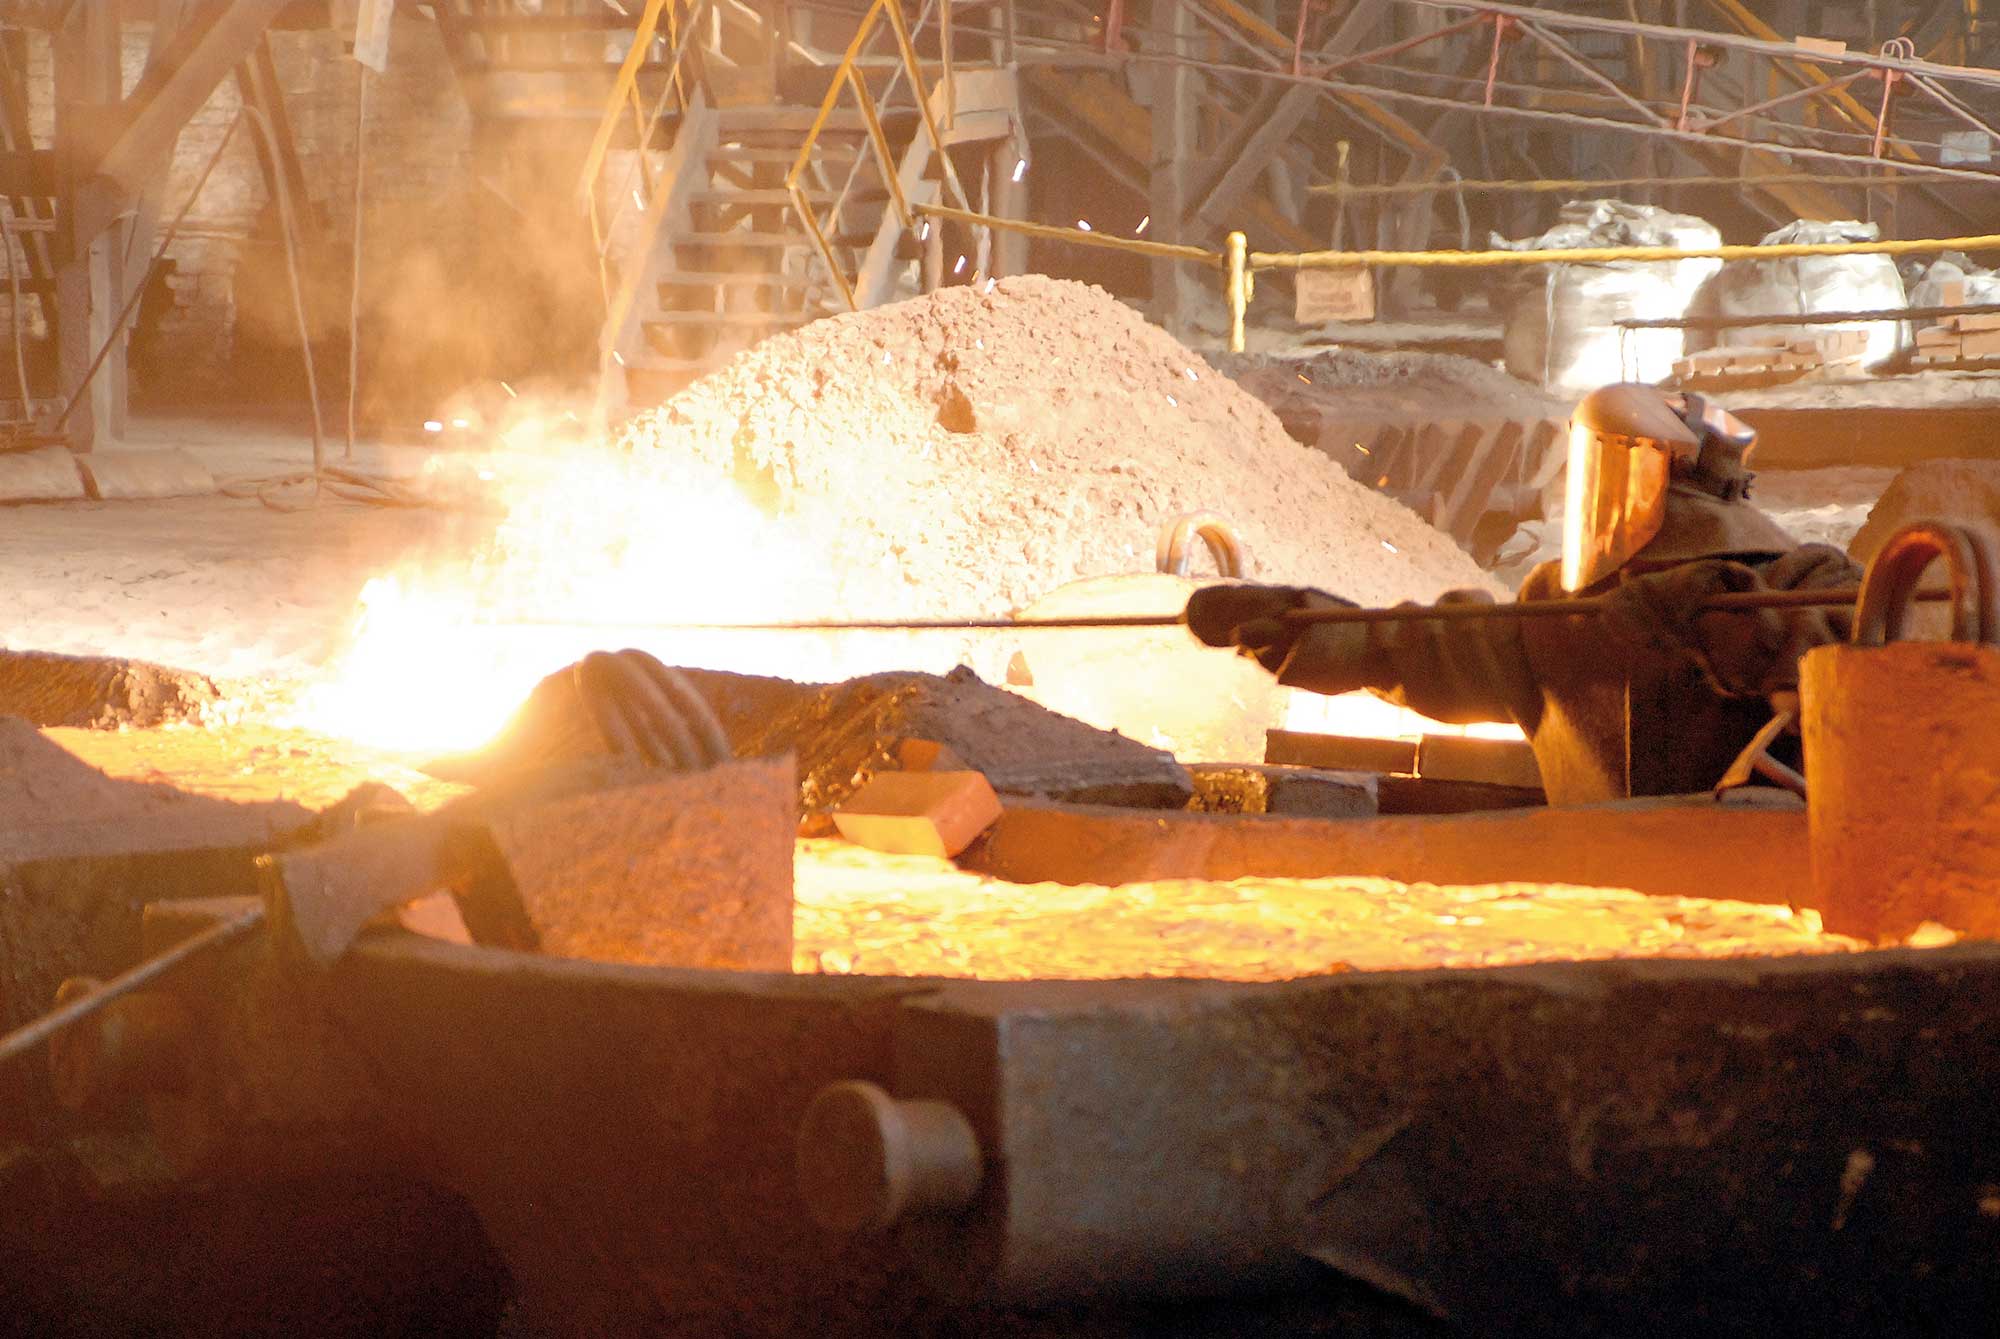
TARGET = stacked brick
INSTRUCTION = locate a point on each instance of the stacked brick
(1959, 339)
(1764, 355)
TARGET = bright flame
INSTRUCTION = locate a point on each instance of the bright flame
(1366, 716)
(597, 548)
(600, 548)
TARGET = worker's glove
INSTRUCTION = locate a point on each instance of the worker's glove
(1251, 619)
(1661, 613)
(1437, 666)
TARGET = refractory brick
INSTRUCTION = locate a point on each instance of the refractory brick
(919, 813)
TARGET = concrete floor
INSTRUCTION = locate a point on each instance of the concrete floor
(220, 584)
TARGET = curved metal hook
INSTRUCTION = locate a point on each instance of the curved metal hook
(642, 708)
(1224, 546)
(1891, 583)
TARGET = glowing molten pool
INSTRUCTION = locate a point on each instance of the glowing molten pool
(860, 911)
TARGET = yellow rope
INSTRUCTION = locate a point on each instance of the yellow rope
(1334, 260)
(1136, 245)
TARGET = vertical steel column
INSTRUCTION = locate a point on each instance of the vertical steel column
(1174, 109)
(88, 87)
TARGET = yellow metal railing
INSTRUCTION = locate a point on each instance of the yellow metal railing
(847, 77)
(1239, 265)
(681, 20)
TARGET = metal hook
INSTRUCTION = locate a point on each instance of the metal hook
(1890, 585)
(1223, 544)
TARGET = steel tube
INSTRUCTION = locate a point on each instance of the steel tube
(30, 1035)
(1833, 598)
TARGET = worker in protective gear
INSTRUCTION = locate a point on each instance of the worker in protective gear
(1650, 696)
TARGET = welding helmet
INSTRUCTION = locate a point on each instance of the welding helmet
(1624, 444)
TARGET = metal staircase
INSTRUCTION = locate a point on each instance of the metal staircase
(728, 262)
(700, 110)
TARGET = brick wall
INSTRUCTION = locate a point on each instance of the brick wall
(437, 307)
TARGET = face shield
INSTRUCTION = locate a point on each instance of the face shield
(1616, 500)
(1622, 443)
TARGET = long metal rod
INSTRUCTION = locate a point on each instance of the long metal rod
(1733, 601)
(1777, 50)
(31, 1035)
(1803, 318)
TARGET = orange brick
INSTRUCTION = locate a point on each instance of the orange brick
(927, 755)
(1977, 321)
(1981, 344)
(1936, 336)
(919, 813)
(1951, 293)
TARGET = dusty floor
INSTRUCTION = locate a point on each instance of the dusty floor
(225, 585)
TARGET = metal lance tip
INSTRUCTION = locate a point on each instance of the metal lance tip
(133, 1044)
(81, 1002)
(867, 1160)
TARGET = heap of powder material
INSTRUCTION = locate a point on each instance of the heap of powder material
(971, 450)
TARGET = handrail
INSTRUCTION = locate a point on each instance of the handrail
(1240, 265)
(682, 26)
(1137, 246)
(847, 76)
(1591, 255)
(624, 89)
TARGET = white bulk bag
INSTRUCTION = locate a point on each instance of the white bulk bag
(1561, 322)
(1810, 284)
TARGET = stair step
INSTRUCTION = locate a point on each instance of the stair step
(738, 120)
(599, 20)
(747, 238)
(731, 279)
(727, 320)
(758, 196)
(740, 238)
(782, 157)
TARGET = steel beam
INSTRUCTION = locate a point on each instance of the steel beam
(1171, 146)
(173, 89)
(1268, 128)
(1778, 50)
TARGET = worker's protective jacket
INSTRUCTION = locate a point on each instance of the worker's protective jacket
(1649, 698)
